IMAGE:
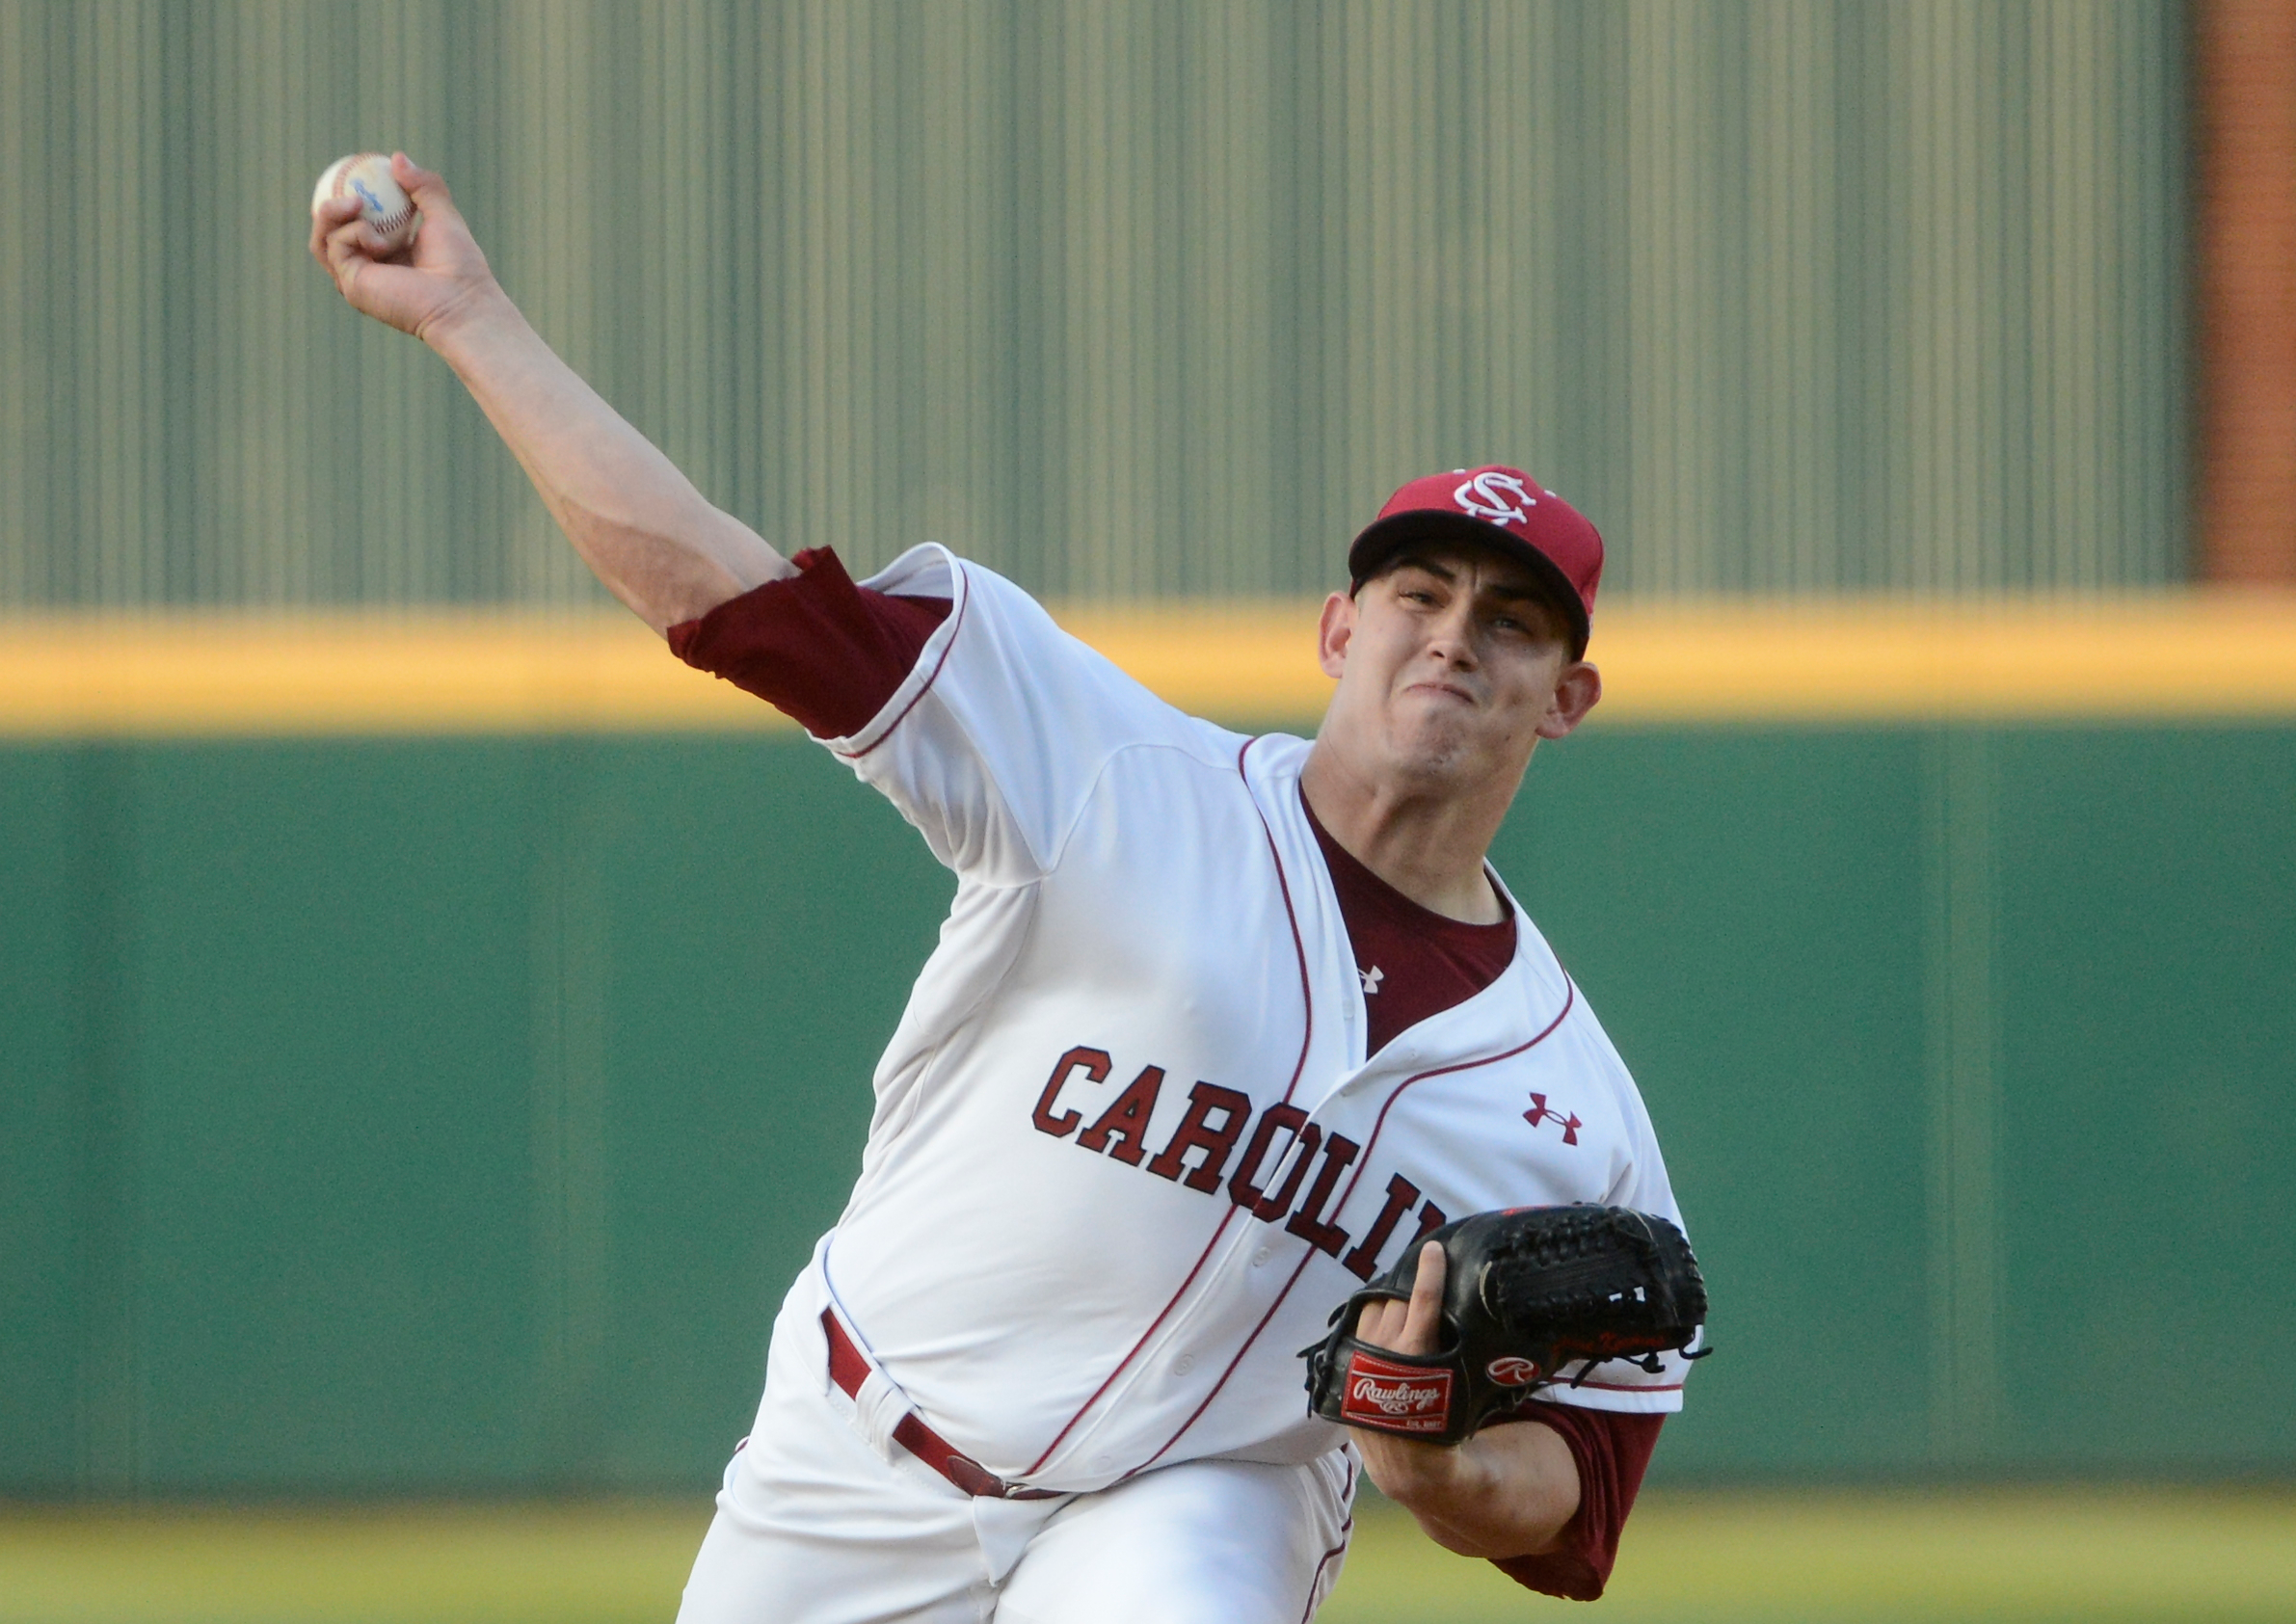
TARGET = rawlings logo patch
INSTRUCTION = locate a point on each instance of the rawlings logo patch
(1395, 1398)
(1512, 1370)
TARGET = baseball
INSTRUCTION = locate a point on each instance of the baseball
(384, 202)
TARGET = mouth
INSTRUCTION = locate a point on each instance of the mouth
(1445, 690)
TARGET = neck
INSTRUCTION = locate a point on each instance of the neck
(1428, 843)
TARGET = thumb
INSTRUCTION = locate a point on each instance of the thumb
(428, 191)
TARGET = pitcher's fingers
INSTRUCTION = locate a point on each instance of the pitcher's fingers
(429, 192)
(328, 218)
(1380, 1323)
(350, 248)
(355, 235)
(1423, 1321)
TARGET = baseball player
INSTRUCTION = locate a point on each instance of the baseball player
(1217, 1028)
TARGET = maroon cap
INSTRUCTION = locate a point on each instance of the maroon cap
(1503, 509)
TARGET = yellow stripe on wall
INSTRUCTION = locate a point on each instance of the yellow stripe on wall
(2164, 656)
(2169, 656)
(315, 674)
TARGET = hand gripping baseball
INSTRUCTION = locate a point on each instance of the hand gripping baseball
(441, 276)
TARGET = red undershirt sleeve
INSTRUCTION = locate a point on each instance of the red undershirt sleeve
(1613, 1451)
(823, 651)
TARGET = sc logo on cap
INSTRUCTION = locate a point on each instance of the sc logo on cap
(1496, 497)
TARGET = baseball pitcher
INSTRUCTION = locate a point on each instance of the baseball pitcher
(1222, 1034)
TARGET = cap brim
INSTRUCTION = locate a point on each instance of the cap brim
(1383, 538)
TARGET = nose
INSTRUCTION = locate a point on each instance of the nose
(1451, 637)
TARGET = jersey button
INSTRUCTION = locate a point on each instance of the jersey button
(1260, 1256)
(1185, 1363)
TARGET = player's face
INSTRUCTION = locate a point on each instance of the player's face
(1451, 670)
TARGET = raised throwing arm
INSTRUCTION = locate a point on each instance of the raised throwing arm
(637, 522)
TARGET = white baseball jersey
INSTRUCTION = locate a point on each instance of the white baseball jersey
(1128, 1151)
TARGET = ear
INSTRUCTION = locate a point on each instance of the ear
(1576, 691)
(1332, 636)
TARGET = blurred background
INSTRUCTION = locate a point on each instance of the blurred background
(434, 1025)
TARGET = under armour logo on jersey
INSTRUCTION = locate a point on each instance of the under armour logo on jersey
(1371, 979)
(1499, 496)
(1539, 1114)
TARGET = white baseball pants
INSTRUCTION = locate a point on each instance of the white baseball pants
(815, 1526)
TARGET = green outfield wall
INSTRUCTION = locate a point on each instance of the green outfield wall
(427, 1115)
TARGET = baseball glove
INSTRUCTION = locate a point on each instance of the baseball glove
(1527, 1292)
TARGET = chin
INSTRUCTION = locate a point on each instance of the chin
(1444, 753)
(1433, 756)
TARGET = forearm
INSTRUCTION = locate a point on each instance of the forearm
(1509, 1491)
(636, 521)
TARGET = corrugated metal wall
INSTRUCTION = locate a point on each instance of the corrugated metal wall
(1127, 298)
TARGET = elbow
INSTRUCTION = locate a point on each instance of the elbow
(667, 580)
